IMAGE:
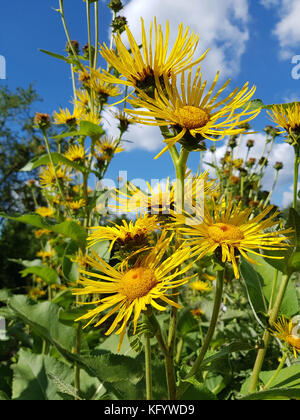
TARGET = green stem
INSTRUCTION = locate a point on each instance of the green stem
(266, 338)
(148, 368)
(88, 18)
(76, 366)
(211, 330)
(54, 170)
(96, 33)
(62, 13)
(276, 373)
(296, 175)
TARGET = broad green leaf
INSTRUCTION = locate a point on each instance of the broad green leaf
(69, 229)
(254, 284)
(263, 274)
(274, 394)
(121, 375)
(31, 381)
(90, 129)
(48, 274)
(288, 377)
(63, 387)
(197, 391)
(4, 396)
(57, 158)
(44, 319)
(186, 322)
(294, 222)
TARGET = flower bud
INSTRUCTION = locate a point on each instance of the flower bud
(75, 45)
(42, 121)
(278, 166)
(118, 24)
(115, 5)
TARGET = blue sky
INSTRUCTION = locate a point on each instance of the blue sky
(250, 41)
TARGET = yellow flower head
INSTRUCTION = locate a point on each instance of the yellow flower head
(64, 116)
(192, 113)
(45, 254)
(229, 231)
(158, 201)
(48, 176)
(41, 232)
(128, 290)
(36, 293)
(136, 232)
(140, 66)
(200, 286)
(108, 146)
(101, 88)
(45, 211)
(287, 117)
(162, 200)
(288, 331)
(76, 205)
(76, 153)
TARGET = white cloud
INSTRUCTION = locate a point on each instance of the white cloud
(222, 26)
(287, 30)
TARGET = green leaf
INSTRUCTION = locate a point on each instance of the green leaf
(63, 387)
(31, 380)
(58, 56)
(69, 229)
(120, 375)
(48, 274)
(254, 285)
(294, 222)
(197, 391)
(44, 319)
(57, 158)
(90, 129)
(4, 396)
(186, 322)
(274, 394)
(288, 377)
(263, 275)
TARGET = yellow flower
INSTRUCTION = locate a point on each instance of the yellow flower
(140, 68)
(36, 293)
(288, 331)
(135, 232)
(45, 254)
(76, 205)
(194, 113)
(197, 312)
(48, 176)
(229, 230)
(101, 88)
(82, 100)
(200, 286)
(40, 232)
(129, 290)
(92, 117)
(75, 153)
(108, 146)
(288, 118)
(64, 116)
(45, 211)
(158, 201)
(163, 200)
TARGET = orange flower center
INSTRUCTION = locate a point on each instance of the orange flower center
(294, 341)
(221, 232)
(192, 117)
(137, 282)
